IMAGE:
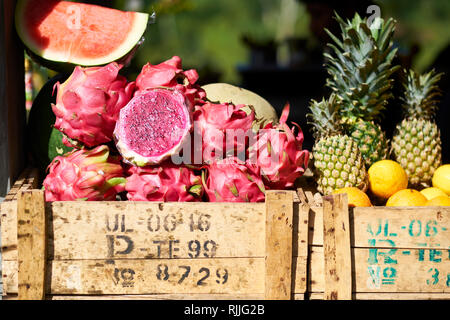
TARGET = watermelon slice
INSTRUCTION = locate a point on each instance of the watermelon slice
(72, 33)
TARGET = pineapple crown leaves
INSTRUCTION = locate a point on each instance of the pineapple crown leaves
(360, 66)
(324, 117)
(420, 94)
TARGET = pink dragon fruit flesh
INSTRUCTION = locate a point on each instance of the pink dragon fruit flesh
(88, 104)
(231, 180)
(153, 126)
(165, 182)
(84, 175)
(278, 152)
(170, 74)
(225, 130)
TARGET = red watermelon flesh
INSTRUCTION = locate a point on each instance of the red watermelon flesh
(78, 33)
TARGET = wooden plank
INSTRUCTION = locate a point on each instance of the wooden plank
(103, 230)
(18, 185)
(414, 273)
(409, 271)
(301, 245)
(387, 296)
(9, 277)
(311, 200)
(149, 276)
(156, 230)
(337, 254)
(31, 234)
(8, 212)
(301, 196)
(308, 197)
(408, 227)
(278, 260)
(12, 99)
(173, 296)
(170, 296)
(401, 227)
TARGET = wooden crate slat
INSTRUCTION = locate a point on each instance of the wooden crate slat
(387, 296)
(336, 248)
(409, 277)
(278, 239)
(8, 213)
(300, 250)
(407, 227)
(82, 230)
(171, 296)
(147, 276)
(31, 244)
(157, 230)
(168, 296)
(409, 272)
(18, 185)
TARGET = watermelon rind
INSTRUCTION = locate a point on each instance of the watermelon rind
(60, 62)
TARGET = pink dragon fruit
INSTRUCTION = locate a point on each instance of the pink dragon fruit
(231, 180)
(84, 175)
(166, 182)
(88, 104)
(225, 130)
(170, 74)
(153, 126)
(278, 152)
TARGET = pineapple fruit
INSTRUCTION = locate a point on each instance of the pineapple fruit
(338, 163)
(360, 68)
(416, 143)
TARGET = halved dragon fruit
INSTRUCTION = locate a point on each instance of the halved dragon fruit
(153, 126)
(231, 180)
(165, 182)
(170, 74)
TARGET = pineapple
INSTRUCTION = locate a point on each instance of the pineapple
(337, 160)
(360, 72)
(416, 143)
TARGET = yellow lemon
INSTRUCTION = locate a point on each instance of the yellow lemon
(386, 177)
(432, 192)
(441, 178)
(439, 201)
(356, 197)
(406, 198)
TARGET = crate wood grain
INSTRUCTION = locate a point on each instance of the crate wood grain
(336, 248)
(136, 250)
(164, 248)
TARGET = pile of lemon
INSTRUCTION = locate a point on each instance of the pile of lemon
(388, 185)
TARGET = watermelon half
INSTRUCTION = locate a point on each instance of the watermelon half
(62, 34)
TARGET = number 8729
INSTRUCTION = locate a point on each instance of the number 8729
(220, 275)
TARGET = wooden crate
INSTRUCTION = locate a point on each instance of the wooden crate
(293, 246)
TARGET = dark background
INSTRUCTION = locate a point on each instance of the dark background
(275, 47)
